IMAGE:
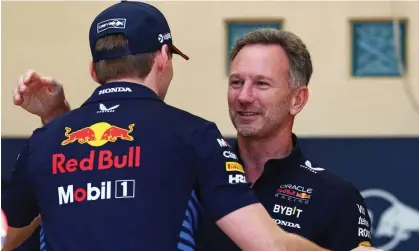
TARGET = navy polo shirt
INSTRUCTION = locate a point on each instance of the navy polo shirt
(307, 200)
(125, 171)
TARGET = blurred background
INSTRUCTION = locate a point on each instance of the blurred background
(362, 118)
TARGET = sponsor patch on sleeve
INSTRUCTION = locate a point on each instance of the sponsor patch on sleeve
(234, 167)
(365, 244)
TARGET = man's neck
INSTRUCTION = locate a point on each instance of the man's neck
(145, 82)
(256, 152)
(131, 80)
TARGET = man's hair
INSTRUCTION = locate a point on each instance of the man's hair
(300, 66)
(138, 66)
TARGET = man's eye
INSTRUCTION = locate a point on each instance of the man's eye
(261, 83)
(236, 82)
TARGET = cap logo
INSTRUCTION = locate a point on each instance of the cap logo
(114, 23)
(163, 37)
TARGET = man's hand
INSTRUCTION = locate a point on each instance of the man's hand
(39, 95)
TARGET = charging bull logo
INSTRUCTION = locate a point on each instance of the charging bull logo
(98, 134)
(397, 223)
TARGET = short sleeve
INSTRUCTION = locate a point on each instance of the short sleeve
(222, 184)
(352, 225)
(17, 199)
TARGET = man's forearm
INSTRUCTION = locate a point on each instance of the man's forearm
(58, 112)
(251, 228)
(16, 236)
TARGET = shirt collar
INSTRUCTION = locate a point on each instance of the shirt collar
(294, 158)
(121, 90)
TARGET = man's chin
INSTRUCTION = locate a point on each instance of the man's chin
(247, 131)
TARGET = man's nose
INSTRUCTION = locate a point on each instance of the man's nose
(247, 94)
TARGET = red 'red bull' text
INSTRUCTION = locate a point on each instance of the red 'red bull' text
(100, 160)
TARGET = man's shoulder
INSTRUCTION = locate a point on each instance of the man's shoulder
(185, 122)
(328, 178)
(187, 117)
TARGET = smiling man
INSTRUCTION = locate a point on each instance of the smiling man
(269, 74)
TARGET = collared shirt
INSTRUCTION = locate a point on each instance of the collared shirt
(125, 171)
(306, 199)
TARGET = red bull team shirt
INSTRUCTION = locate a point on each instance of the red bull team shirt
(305, 199)
(125, 171)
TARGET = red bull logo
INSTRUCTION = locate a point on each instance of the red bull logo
(113, 133)
(286, 192)
(82, 136)
(98, 134)
(303, 195)
(96, 160)
(295, 193)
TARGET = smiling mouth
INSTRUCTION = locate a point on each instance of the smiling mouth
(247, 114)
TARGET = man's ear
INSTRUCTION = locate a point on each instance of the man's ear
(162, 58)
(93, 72)
(299, 98)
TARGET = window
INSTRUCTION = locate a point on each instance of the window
(375, 51)
(237, 29)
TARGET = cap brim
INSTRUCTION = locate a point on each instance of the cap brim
(177, 51)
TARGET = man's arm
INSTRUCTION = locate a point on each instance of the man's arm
(42, 96)
(65, 107)
(16, 236)
(19, 205)
(251, 228)
(352, 224)
(230, 202)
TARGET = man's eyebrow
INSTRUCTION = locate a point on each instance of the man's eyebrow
(234, 75)
(264, 77)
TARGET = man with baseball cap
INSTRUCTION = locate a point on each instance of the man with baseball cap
(126, 171)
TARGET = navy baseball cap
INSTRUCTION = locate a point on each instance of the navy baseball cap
(144, 25)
